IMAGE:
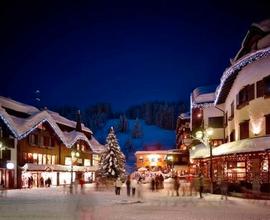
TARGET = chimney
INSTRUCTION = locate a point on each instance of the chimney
(79, 124)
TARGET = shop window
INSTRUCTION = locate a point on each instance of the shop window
(67, 160)
(267, 124)
(39, 159)
(35, 158)
(44, 159)
(215, 122)
(87, 162)
(53, 159)
(49, 159)
(30, 158)
(244, 130)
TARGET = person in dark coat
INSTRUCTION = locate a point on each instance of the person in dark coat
(128, 185)
(201, 184)
(176, 185)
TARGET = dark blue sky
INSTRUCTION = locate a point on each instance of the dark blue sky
(123, 52)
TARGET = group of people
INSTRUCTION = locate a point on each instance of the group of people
(133, 186)
(157, 182)
(42, 183)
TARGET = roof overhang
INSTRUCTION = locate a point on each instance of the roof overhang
(231, 73)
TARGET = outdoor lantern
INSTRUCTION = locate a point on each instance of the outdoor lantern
(10, 165)
(199, 134)
(209, 131)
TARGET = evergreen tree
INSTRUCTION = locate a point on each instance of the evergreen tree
(112, 162)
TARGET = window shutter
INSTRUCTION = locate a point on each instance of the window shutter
(244, 130)
(260, 86)
(267, 124)
(250, 92)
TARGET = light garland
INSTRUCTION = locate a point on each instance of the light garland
(202, 105)
(238, 66)
(55, 127)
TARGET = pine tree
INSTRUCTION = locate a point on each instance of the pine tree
(137, 130)
(112, 162)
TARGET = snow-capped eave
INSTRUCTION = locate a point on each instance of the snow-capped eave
(251, 145)
(231, 73)
(34, 121)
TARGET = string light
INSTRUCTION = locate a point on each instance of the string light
(45, 117)
(238, 66)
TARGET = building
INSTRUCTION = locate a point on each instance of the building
(162, 160)
(183, 138)
(39, 144)
(243, 95)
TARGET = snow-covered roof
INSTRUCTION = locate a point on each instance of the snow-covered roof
(242, 146)
(21, 127)
(257, 37)
(17, 106)
(185, 115)
(64, 121)
(152, 152)
(57, 167)
(203, 95)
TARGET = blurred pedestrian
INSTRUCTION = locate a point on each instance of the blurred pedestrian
(118, 185)
(3, 191)
(128, 182)
(224, 189)
(153, 184)
(201, 184)
(82, 185)
(140, 190)
(176, 185)
(133, 185)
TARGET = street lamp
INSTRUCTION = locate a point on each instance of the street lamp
(74, 154)
(204, 137)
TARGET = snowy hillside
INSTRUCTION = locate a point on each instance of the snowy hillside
(152, 136)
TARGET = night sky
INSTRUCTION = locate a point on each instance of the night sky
(124, 52)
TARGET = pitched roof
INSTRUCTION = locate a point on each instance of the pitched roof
(21, 127)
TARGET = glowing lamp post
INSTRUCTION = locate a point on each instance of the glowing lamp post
(74, 154)
(204, 137)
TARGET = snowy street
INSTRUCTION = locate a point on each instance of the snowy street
(53, 203)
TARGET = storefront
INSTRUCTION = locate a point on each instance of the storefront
(58, 174)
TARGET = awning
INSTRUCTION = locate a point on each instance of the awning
(57, 167)
(242, 146)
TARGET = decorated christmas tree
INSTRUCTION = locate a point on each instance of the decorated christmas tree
(112, 161)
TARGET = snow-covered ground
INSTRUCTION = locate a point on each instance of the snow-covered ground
(53, 203)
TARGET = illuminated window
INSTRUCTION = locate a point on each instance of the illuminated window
(53, 159)
(40, 159)
(67, 160)
(35, 158)
(87, 162)
(49, 159)
(44, 160)
(83, 148)
(78, 146)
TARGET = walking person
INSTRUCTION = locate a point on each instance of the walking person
(224, 189)
(128, 182)
(2, 188)
(118, 185)
(140, 190)
(201, 184)
(133, 186)
(176, 185)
